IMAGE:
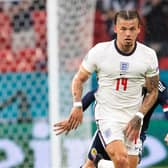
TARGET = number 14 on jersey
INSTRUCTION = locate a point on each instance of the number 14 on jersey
(121, 84)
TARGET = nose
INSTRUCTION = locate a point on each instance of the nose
(128, 32)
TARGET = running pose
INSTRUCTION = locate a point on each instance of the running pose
(123, 66)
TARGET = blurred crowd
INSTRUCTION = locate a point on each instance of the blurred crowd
(23, 43)
(154, 28)
(23, 36)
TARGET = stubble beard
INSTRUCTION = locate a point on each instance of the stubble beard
(128, 46)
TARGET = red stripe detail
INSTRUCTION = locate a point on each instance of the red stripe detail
(165, 106)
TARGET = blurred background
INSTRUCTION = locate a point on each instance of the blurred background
(25, 115)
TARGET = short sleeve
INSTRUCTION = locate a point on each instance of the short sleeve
(153, 68)
(89, 62)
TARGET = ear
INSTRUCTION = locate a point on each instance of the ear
(115, 29)
(139, 29)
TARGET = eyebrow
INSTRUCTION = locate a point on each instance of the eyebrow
(132, 27)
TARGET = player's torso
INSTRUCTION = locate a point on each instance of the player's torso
(113, 65)
(120, 79)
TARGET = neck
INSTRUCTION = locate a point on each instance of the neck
(125, 48)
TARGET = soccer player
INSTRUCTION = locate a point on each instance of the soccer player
(123, 66)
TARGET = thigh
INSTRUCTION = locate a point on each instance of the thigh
(118, 154)
(113, 138)
(115, 149)
(111, 130)
(133, 161)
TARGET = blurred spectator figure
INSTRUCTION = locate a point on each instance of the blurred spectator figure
(155, 13)
(100, 27)
(30, 59)
(38, 15)
(119, 4)
(39, 26)
(5, 29)
(110, 22)
(23, 33)
(24, 54)
(38, 5)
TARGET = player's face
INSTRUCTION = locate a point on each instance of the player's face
(127, 32)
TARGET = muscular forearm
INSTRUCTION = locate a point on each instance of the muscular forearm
(77, 88)
(76, 114)
(149, 101)
(152, 94)
(77, 84)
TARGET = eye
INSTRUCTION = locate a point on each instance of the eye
(123, 28)
(132, 28)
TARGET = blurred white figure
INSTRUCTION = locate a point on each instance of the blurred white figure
(166, 139)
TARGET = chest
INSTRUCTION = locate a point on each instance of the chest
(113, 65)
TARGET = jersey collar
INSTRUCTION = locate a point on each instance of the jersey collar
(122, 53)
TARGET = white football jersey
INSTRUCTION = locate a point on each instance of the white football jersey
(120, 78)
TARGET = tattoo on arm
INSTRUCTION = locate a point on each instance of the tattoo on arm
(77, 90)
(153, 84)
(152, 93)
(136, 122)
(77, 84)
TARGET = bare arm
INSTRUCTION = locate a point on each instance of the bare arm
(77, 83)
(133, 127)
(152, 94)
(76, 114)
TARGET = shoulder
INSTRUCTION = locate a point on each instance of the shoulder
(103, 46)
(97, 53)
(145, 49)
